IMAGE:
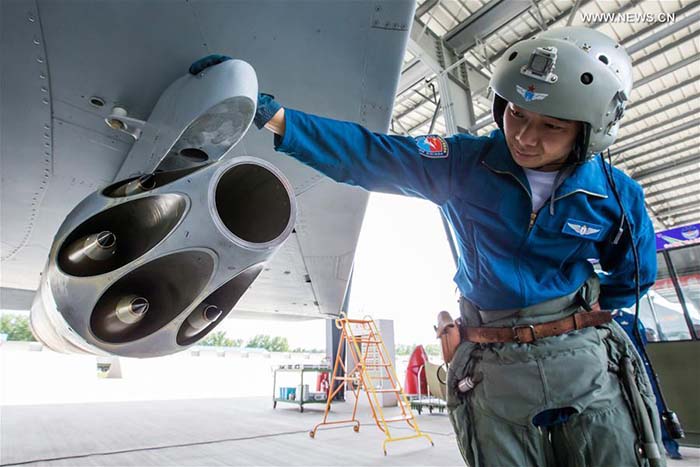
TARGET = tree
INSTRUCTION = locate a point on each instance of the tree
(430, 349)
(433, 350)
(273, 344)
(404, 349)
(219, 339)
(259, 341)
(303, 350)
(279, 344)
(16, 327)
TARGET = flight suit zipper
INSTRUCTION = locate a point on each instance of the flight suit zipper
(533, 217)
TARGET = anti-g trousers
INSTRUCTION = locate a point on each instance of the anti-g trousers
(577, 371)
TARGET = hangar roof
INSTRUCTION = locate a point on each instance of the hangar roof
(658, 140)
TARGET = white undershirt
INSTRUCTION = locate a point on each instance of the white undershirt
(541, 186)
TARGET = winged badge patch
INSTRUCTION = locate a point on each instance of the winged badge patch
(582, 229)
(529, 94)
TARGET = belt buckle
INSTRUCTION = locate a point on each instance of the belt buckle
(516, 336)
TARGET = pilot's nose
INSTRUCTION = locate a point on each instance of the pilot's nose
(527, 136)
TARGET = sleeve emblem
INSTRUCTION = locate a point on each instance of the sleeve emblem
(432, 146)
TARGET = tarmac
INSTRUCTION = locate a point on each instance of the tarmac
(214, 432)
(193, 409)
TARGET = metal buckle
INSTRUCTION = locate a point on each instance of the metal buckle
(516, 336)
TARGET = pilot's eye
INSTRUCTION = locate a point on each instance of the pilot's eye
(516, 113)
(553, 127)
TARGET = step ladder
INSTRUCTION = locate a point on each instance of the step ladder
(370, 369)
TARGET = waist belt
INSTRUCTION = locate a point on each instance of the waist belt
(525, 334)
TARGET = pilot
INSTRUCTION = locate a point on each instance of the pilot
(542, 377)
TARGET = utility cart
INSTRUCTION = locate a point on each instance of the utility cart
(300, 395)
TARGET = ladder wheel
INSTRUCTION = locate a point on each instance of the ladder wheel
(356, 428)
(312, 434)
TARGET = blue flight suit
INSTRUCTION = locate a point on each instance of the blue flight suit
(509, 257)
(513, 258)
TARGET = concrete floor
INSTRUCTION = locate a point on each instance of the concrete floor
(210, 432)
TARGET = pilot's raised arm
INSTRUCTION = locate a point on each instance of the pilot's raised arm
(429, 166)
(425, 166)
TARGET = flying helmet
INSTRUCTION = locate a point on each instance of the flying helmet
(570, 73)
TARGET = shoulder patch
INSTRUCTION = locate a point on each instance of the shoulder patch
(582, 229)
(432, 146)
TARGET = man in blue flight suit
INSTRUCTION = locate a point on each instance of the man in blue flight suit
(542, 377)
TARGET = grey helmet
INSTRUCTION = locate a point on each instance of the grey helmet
(571, 73)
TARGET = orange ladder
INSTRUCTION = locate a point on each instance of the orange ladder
(372, 366)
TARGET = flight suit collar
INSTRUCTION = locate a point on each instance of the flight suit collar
(588, 178)
(499, 160)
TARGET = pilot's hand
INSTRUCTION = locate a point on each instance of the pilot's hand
(205, 62)
(267, 108)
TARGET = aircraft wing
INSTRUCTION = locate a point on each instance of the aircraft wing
(67, 65)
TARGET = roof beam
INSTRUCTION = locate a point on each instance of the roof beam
(682, 197)
(656, 136)
(636, 157)
(482, 123)
(660, 158)
(483, 22)
(414, 73)
(656, 126)
(412, 109)
(688, 214)
(663, 33)
(572, 12)
(564, 14)
(680, 207)
(662, 92)
(662, 109)
(661, 180)
(669, 46)
(680, 163)
(426, 7)
(676, 66)
(452, 77)
(652, 26)
(422, 122)
(692, 183)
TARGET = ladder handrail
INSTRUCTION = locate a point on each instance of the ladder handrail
(362, 377)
